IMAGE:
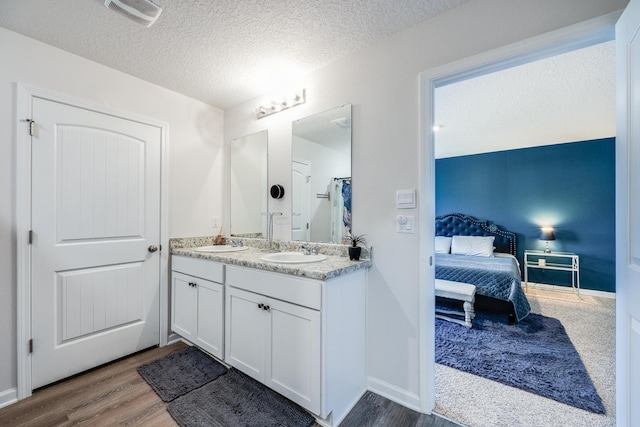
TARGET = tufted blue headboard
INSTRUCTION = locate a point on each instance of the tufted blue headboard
(456, 224)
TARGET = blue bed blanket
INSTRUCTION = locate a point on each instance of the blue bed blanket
(496, 277)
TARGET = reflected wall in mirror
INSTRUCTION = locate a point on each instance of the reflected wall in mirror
(321, 176)
(248, 185)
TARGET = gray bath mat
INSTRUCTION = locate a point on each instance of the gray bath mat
(180, 373)
(237, 400)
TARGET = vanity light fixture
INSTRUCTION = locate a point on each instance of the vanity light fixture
(297, 98)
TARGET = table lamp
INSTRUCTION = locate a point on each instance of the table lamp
(547, 235)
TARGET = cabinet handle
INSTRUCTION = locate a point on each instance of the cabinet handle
(267, 308)
(193, 285)
(261, 306)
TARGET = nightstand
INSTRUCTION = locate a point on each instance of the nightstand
(559, 261)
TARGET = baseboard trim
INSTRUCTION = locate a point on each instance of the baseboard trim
(569, 290)
(394, 393)
(335, 421)
(174, 338)
(8, 397)
(332, 420)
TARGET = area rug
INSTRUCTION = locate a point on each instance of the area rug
(535, 355)
(237, 400)
(181, 372)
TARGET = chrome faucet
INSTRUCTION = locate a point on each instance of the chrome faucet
(270, 227)
(235, 243)
(308, 249)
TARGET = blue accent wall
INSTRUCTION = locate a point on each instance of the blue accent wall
(570, 187)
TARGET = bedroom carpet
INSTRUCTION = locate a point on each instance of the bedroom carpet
(590, 323)
(535, 355)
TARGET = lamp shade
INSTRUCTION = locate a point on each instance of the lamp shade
(547, 234)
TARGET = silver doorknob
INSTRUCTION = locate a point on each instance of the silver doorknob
(153, 248)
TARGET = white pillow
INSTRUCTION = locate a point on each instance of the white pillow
(472, 245)
(443, 244)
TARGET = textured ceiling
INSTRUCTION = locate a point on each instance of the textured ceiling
(225, 52)
(566, 98)
(220, 52)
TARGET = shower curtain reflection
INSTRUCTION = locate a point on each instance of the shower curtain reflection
(340, 197)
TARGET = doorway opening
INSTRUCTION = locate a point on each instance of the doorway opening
(566, 40)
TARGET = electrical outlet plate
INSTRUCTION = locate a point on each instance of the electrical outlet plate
(405, 224)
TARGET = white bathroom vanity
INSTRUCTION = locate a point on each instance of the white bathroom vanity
(297, 328)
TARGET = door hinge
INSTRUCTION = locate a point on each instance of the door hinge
(307, 226)
(31, 345)
(30, 236)
(32, 126)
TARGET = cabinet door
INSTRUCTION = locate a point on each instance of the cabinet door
(183, 305)
(293, 353)
(245, 337)
(210, 317)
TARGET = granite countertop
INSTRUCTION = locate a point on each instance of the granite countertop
(335, 265)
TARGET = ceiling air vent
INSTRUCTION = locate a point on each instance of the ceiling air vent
(144, 12)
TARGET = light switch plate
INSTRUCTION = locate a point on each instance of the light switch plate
(405, 199)
(405, 224)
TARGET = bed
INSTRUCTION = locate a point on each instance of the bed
(469, 250)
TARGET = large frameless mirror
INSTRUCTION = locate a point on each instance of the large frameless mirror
(249, 185)
(321, 176)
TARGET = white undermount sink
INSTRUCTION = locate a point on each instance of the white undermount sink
(292, 257)
(221, 248)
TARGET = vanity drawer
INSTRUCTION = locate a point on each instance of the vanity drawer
(293, 289)
(209, 270)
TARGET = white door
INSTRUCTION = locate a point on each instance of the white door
(198, 312)
(628, 216)
(183, 305)
(210, 317)
(293, 353)
(96, 220)
(300, 200)
(245, 332)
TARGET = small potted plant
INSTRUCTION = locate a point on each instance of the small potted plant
(354, 250)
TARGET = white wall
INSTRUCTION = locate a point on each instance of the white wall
(195, 152)
(382, 84)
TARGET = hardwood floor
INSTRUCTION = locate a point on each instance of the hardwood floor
(376, 411)
(115, 395)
